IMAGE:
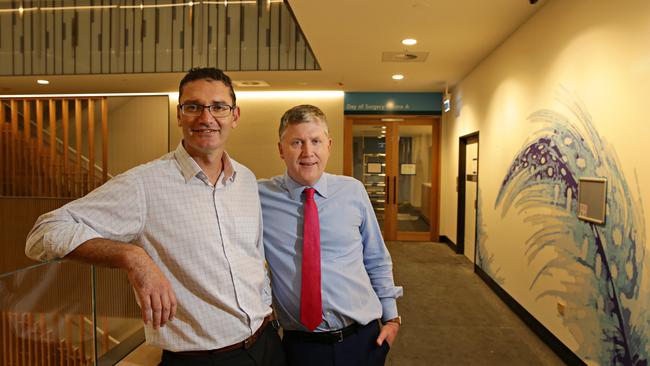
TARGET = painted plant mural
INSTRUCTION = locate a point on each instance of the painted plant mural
(485, 259)
(601, 265)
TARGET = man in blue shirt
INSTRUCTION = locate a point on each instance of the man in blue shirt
(356, 279)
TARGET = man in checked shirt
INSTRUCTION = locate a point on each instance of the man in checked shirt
(187, 230)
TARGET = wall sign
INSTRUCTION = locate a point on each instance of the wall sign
(393, 103)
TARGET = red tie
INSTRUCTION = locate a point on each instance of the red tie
(310, 298)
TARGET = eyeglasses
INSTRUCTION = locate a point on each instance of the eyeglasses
(216, 110)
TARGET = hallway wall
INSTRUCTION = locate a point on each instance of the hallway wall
(137, 131)
(564, 97)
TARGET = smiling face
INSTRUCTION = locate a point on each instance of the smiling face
(205, 135)
(305, 148)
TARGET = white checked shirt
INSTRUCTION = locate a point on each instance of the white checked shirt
(206, 239)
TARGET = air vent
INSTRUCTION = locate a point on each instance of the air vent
(404, 56)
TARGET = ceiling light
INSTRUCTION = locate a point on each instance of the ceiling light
(250, 83)
(42, 81)
(398, 77)
(409, 41)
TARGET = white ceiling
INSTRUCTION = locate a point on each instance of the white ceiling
(348, 38)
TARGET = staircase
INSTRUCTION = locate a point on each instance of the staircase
(45, 153)
(37, 339)
(48, 148)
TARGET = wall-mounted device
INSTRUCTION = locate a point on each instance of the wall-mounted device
(446, 101)
(592, 199)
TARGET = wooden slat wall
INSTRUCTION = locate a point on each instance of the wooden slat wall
(104, 140)
(91, 145)
(77, 171)
(52, 157)
(39, 147)
(44, 311)
(52, 192)
(3, 150)
(66, 182)
(29, 171)
(33, 164)
(15, 140)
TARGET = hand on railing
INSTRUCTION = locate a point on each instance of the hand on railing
(154, 291)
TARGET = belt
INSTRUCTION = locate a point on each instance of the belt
(324, 337)
(245, 344)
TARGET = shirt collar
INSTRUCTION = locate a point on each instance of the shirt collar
(295, 189)
(190, 168)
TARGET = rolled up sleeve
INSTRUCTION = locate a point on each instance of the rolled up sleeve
(113, 211)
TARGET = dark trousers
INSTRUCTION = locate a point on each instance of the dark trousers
(358, 349)
(266, 351)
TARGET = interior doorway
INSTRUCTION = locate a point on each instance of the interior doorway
(468, 165)
(397, 158)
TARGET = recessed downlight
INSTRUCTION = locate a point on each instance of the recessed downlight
(398, 77)
(409, 42)
(42, 81)
(250, 83)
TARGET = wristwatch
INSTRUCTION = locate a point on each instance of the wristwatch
(397, 320)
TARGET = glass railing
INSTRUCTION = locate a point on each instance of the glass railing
(67, 313)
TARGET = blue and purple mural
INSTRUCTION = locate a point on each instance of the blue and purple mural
(484, 258)
(598, 267)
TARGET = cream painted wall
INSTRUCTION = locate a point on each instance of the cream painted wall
(254, 142)
(592, 52)
(137, 131)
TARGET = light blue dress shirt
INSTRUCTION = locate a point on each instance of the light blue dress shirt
(356, 268)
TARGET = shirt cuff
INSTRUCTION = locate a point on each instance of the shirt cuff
(389, 309)
(77, 235)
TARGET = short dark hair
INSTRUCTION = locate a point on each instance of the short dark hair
(211, 73)
(302, 114)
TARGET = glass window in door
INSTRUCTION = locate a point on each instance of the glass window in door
(369, 164)
(414, 178)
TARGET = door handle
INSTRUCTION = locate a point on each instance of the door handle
(395, 190)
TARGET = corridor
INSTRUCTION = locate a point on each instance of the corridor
(451, 317)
